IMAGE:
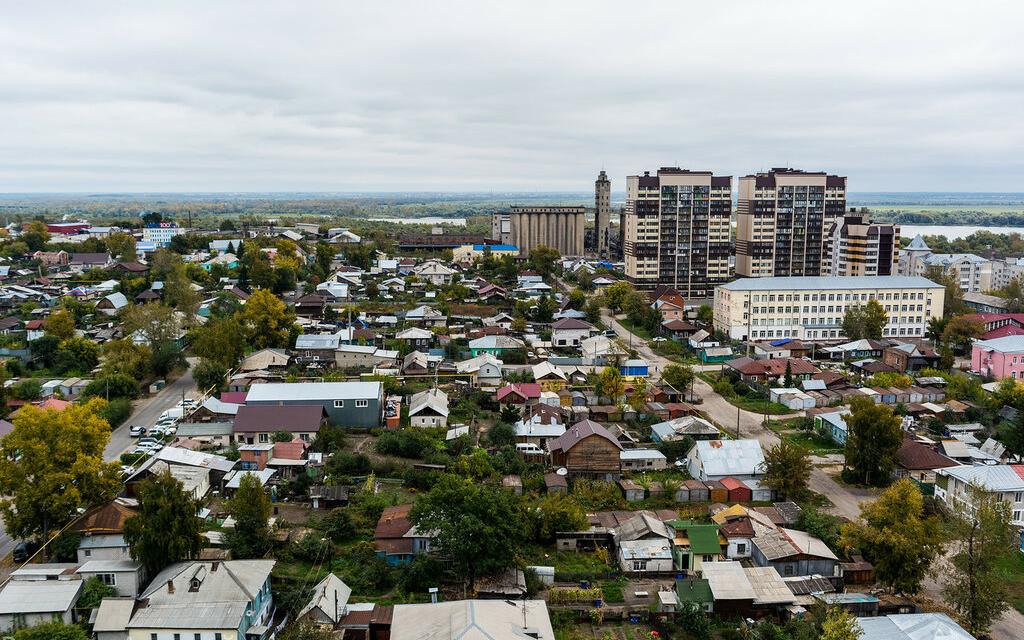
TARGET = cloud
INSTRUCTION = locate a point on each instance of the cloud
(341, 96)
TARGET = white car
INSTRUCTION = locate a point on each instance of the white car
(137, 451)
(127, 470)
(137, 432)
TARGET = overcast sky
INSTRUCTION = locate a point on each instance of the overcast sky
(481, 96)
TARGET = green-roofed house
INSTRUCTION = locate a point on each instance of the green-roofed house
(696, 591)
(695, 544)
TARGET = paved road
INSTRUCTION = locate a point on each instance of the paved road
(147, 413)
(846, 501)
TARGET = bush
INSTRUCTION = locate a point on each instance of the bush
(501, 434)
(310, 548)
(407, 443)
(117, 411)
(29, 389)
(117, 385)
(338, 526)
(724, 388)
(347, 463)
(420, 575)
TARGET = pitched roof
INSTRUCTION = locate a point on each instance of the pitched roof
(579, 431)
(527, 390)
(570, 323)
(772, 366)
(104, 519)
(292, 417)
(914, 455)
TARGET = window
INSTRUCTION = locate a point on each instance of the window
(1017, 496)
(177, 636)
(339, 404)
(197, 636)
(108, 579)
(88, 553)
(152, 636)
(216, 636)
(264, 438)
(639, 565)
(362, 403)
(708, 558)
(788, 570)
(741, 547)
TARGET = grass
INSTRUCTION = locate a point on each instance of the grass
(758, 405)
(571, 562)
(1011, 569)
(637, 330)
(611, 591)
(812, 442)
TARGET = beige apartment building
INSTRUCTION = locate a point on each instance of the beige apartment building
(784, 221)
(676, 230)
(860, 247)
(560, 228)
(812, 308)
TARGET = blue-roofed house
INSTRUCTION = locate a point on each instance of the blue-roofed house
(635, 368)
(833, 424)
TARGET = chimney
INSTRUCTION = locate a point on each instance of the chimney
(170, 586)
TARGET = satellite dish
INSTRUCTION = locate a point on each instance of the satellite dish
(562, 471)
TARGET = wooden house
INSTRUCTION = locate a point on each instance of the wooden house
(587, 450)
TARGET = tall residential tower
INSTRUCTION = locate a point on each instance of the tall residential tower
(676, 230)
(602, 212)
(784, 222)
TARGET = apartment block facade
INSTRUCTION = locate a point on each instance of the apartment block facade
(974, 273)
(784, 222)
(676, 230)
(812, 308)
(860, 247)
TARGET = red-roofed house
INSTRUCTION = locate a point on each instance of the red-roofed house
(771, 369)
(395, 537)
(519, 393)
(587, 450)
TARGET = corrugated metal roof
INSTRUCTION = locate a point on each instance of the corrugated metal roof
(313, 391)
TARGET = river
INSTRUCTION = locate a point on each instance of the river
(952, 232)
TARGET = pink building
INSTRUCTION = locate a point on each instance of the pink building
(999, 358)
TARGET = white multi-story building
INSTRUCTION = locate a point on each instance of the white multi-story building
(161, 234)
(812, 308)
(859, 247)
(954, 487)
(974, 273)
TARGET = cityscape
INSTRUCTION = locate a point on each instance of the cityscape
(534, 322)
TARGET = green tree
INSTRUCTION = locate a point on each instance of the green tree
(250, 537)
(611, 384)
(982, 539)
(76, 354)
(60, 324)
(267, 320)
(338, 525)
(209, 374)
(820, 524)
(895, 534)
(577, 299)
(679, 376)
(705, 315)
(961, 331)
(35, 236)
(615, 294)
(52, 465)
(116, 385)
(890, 379)
(787, 469)
(840, 625)
(52, 631)
(543, 260)
(121, 246)
(156, 324)
(166, 529)
(559, 512)
(546, 308)
(874, 319)
(501, 434)
(509, 414)
(124, 357)
(787, 379)
(853, 322)
(873, 438)
(93, 593)
(953, 301)
(476, 526)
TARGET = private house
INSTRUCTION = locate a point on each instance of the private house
(920, 462)
(495, 345)
(792, 552)
(126, 577)
(679, 329)
(855, 350)
(111, 304)
(266, 360)
(770, 370)
(570, 332)
(641, 460)
(717, 459)
(35, 596)
(911, 626)
(833, 424)
(317, 348)
(910, 358)
(429, 409)
(348, 404)
(434, 272)
(197, 471)
(549, 377)
(519, 393)
(254, 457)
(329, 603)
(85, 261)
(536, 431)
(228, 599)
(396, 539)
(670, 304)
(695, 546)
(644, 545)
(101, 532)
(312, 305)
(257, 424)
(357, 356)
(484, 370)
(467, 620)
(750, 592)
(416, 338)
(678, 428)
(427, 316)
(587, 450)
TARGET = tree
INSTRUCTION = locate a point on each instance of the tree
(874, 319)
(705, 315)
(546, 308)
(509, 414)
(36, 235)
(559, 512)
(93, 593)
(121, 246)
(476, 525)
(935, 328)
(616, 293)
(787, 379)
(610, 384)
(166, 529)
(501, 434)
(543, 260)
(116, 385)
(60, 324)
(178, 291)
(305, 629)
(338, 526)
(787, 469)
(960, 331)
(953, 300)
(577, 299)
(853, 323)
(209, 374)
(267, 320)
(52, 631)
(840, 625)
(52, 465)
(76, 354)
(157, 324)
(890, 379)
(250, 537)
(896, 536)
(873, 438)
(679, 376)
(124, 357)
(982, 539)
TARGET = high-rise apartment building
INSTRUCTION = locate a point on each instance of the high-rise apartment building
(784, 219)
(676, 230)
(602, 212)
(559, 228)
(860, 247)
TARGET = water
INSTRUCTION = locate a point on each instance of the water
(458, 222)
(953, 232)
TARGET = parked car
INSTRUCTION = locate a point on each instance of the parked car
(137, 431)
(609, 333)
(127, 470)
(138, 451)
(24, 550)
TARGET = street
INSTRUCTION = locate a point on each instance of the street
(149, 411)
